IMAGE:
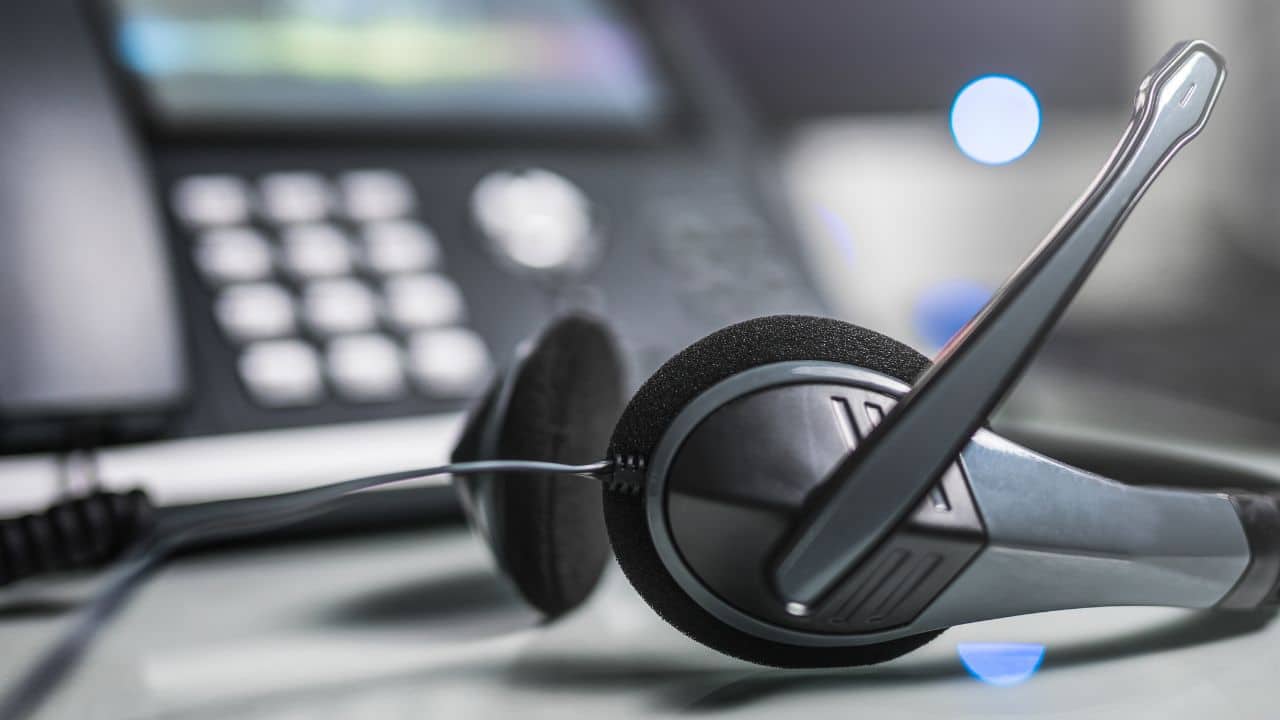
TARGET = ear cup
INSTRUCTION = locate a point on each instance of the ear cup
(556, 404)
(725, 353)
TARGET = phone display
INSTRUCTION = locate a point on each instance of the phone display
(413, 63)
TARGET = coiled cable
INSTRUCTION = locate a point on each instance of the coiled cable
(78, 534)
(200, 524)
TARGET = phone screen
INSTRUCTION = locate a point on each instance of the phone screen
(247, 64)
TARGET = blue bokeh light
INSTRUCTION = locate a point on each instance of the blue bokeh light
(839, 233)
(1001, 664)
(943, 309)
(995, 119)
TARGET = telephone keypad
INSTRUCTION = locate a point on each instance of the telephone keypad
(365, 367)
(316, 250)
(375, 195)
(340, 305)
(294, 197)
(330, 287)
(233, 254)
(449, 362)
(209, 200)
(398, 246)
(423, 301)
(255, 311)
(281, 373)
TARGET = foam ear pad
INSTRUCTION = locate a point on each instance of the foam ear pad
(557, 404)
(730, 351)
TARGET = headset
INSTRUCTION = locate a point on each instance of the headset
(800, 491)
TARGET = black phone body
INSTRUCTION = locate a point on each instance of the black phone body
(692, 228)
(694, 232)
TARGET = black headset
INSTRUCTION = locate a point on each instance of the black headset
(802, 492)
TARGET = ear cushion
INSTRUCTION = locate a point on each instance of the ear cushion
(562, 398)
(730, 351)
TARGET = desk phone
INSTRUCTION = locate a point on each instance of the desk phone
(231, 219)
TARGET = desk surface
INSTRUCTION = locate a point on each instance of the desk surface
(417, 625)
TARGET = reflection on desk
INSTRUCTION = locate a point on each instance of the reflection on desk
(418, 625)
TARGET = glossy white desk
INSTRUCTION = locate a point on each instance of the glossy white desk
(416, 626)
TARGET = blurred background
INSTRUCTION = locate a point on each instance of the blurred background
(254, 244)
(248, 246)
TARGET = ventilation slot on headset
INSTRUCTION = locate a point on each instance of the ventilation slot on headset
(912, 566)
(628, 475)
(894, 579)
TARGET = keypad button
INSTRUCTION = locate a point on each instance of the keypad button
(316, 250)
(255, 311)
(449, 362)
(234, 254)
(282, 372)
(535, 220)
(205, 200)
(293, 197)
(341, 305)
(422, 301)
(375, 194)
(399, 246)
(365, 367)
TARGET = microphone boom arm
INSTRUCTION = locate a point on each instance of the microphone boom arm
(876, 485)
